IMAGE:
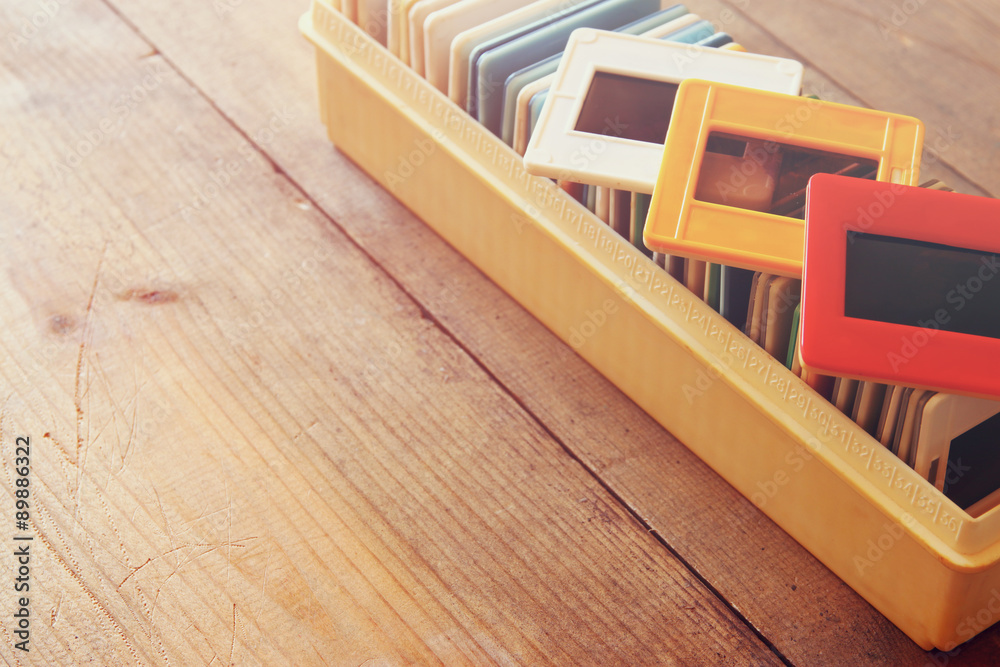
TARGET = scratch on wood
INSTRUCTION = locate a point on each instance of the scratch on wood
(243, 629)
(232, 647)
(263, 586)
(155, 558)
(54, 615)
(229, 536)
(152, 614)
(166, 522)
(77, 402)
(134, 426)
(94, 600)
(83, 343)
(212, 547)
(134, 571)
(118, 410)
(111, 396)
(114, 529)
(64, 453)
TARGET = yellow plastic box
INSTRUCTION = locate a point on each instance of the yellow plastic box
(913, 554)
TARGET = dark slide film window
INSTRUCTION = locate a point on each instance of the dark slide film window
(902, 281)
(629, 107)
(789, 168)
(974, 464)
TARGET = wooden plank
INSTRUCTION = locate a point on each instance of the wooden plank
(248, 444)
(803, 609)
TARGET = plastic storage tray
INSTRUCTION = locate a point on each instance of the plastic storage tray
(918, 558)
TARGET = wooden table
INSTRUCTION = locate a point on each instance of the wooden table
(275, 420)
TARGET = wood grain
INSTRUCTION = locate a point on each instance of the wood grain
(803, 609)
(250, 446)
(386, 447)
